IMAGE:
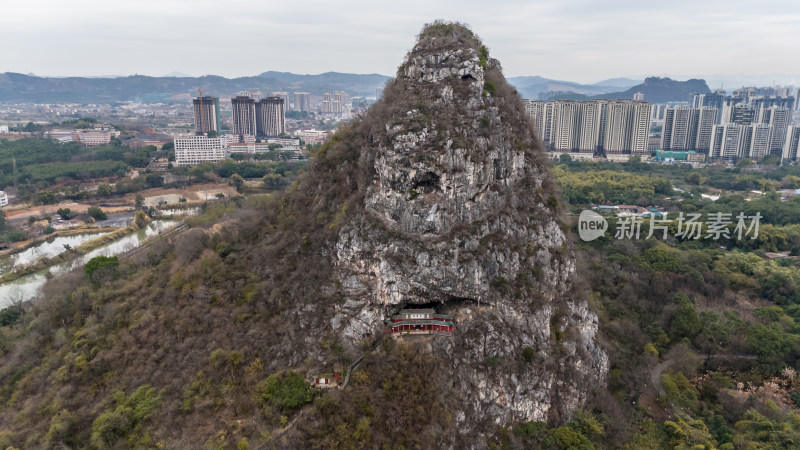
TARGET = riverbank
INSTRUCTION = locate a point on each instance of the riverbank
(83, 249)
(18, 247)
(27, 287)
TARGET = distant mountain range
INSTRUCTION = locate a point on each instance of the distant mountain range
(663, 90)
(619, 82)
(655, 90)
(16, 87)
(531, 87)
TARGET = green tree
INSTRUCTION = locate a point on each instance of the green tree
(139, 202)
(16, 236)
(96, 213)
(285, 391)
(529, 354)
(10, 315)
(567, 438)
(99, 261)
(685, 433)
(47, 197)
(770, 341)
(65, 213)
(236, 181)
(103, 190)
(770, 160)
(62, 429)
(274, 181)
(154, 180)
(126, 419)
(685, 322)
(694, 178)
(534, 434)
(662, 258)
(140, 219)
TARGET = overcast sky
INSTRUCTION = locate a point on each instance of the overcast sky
(578, 40)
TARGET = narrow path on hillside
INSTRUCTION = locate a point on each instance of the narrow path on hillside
(283, 432)
(658, 369)
(357, 362)
(306, 408)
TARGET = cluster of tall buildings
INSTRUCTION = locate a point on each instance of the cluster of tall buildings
(206, 114)
(263, 117)
(302, 101)
(336, 104)
(257, 116)
(610, 127)
(688, 129)
(749, 123)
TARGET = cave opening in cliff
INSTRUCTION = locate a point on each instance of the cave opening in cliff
(426, 182)
(451, 305)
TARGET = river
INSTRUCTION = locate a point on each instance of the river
(26, 288)
(47, 249)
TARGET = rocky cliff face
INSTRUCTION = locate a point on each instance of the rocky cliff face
(459, 217)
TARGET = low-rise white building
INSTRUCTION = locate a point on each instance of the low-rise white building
(192, 150)
(3, 199)
(286, 142)
(93, 138)
(312, 136)
(260, 147)
(89, 138)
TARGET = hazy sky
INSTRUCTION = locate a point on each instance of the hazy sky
(579, 40)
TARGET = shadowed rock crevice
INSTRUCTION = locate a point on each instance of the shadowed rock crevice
(426, 183)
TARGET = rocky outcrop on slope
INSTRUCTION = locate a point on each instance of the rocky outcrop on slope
(460, 217)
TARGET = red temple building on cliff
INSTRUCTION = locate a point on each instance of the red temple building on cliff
(419, 321)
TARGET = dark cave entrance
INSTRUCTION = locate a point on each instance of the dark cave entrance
(426, 182)
(449, 306)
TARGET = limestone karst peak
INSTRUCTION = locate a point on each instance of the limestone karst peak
(446, 52)
(456, 141)
(457, 210)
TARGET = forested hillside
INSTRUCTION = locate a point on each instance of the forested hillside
(439, 197)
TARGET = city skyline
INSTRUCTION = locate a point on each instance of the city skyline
(571, 40)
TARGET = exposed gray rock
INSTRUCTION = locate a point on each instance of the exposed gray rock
(456, 217)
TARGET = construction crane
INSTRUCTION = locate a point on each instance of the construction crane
(200, 94)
